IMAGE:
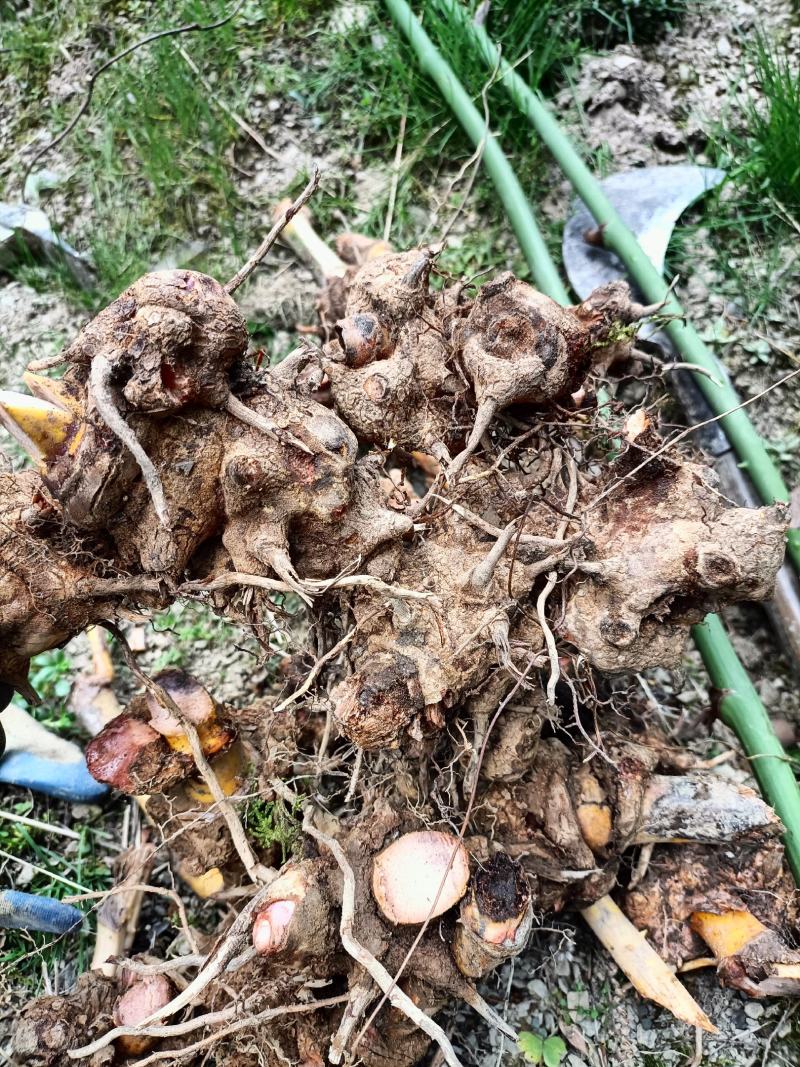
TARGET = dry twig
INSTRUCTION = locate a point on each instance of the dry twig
(244, 272)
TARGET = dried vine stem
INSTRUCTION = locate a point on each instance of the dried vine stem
(257, 871)
(212, 1018)
(101, 392)
(358, 1001)
(313, 588)
(244, 272)
(189, 27)
(397, 998)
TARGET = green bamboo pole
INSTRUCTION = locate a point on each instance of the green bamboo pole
(742, 710)
(721, 396)
(502, 174)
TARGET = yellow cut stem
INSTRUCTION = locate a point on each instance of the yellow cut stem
(726, 934)
(53, 391)
(307, 243)
(40, 427)
(229, 769)
(641, 964)
(596, 824)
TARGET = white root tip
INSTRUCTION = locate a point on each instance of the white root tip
(104, 401)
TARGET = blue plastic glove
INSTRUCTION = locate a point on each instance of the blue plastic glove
(36, 759)
(25, 911)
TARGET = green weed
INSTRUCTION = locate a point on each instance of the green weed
(766, 154)
(549, 1051)
(272, 822)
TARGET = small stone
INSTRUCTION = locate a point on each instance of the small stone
(769, 693)
(84, 812)
(577, 999)
(622, 61)
(25, 874)
(686, 74)
(744, 15)
(753, 1010)
(562, 966)
(724, 46)
(645, 1038)
(538, 989)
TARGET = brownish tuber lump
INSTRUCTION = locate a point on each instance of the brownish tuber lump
(434, 488)
(495, 917)
(666, 551)
(749, 955)
(146, 749)
(131, 756)
(741, 904)
(297, 916)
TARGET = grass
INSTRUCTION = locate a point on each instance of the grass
(155, 156)
(746, 232)
(23, 955)
(607, 22)
(762, 149)
(156, 163)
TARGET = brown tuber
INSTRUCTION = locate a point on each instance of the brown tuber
(741, 903)
(457, 559)
(495, 917)
(296, 918)
(146, 749)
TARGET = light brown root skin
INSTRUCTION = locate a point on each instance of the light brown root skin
(142, 996)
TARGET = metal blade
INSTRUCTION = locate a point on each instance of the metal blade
(650, 201)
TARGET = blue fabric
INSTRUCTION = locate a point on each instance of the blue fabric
(25, 911)
(69, 781)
